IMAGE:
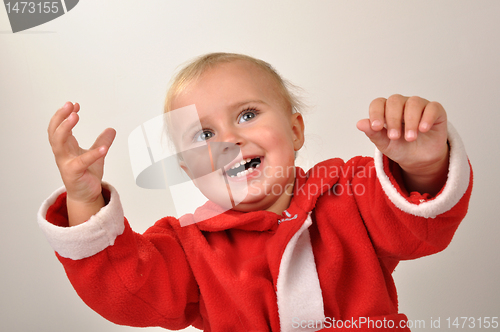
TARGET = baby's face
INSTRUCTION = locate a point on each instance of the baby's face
(239, 103)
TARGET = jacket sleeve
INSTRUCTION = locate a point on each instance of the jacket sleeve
(404, 225)
(128, 278)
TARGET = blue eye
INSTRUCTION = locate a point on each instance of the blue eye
(203, 135)
(247, 115)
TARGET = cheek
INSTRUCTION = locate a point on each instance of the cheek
(276, 135)
(280, 144)
(284, 141)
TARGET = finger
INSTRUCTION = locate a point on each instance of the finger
(63, 132)
(433, 114)
(394, 108)
(105, 139)
(413, 109)
(84, 161)
(60, 115)
(76, 107)
(376, 111)
(379, 138)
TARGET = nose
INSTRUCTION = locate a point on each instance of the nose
(226, 145)
(230, 134)
(232, 141)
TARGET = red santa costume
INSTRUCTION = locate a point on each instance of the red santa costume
(325, 263)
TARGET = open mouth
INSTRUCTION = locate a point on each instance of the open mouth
(244, 167)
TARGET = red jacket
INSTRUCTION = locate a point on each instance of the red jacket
(327, 260)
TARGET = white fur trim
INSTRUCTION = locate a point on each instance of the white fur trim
(86, 239)
(297, 288)
(455, 187)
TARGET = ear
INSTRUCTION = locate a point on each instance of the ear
(297, 123)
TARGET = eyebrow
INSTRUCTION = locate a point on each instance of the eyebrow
(241, 103)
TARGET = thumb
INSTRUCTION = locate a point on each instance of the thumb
(379, 138)
(106, 138)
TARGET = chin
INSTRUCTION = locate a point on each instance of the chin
(250, 206)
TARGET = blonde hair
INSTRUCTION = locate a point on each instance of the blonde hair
(196, 67)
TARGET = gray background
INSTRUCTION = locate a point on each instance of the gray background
(116, 58)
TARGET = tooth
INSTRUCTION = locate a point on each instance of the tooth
(232, 176)
(239, 174)
(248, 160)
(236, 165)
(250, 170)
(243, 162)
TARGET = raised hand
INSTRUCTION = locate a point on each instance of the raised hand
(412, 132)
(81, 170)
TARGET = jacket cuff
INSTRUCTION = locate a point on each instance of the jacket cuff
(456, 185)
(88, 238)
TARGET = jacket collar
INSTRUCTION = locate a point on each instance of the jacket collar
(308, 188)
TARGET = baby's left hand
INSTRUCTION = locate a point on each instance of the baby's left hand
(412, 132)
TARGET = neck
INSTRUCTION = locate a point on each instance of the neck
(283, 202)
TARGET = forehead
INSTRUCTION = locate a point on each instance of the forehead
(229, 83)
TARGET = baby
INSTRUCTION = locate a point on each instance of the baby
(316, 254)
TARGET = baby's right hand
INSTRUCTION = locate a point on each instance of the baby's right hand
(81, 170)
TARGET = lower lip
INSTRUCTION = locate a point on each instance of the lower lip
(249, 176)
